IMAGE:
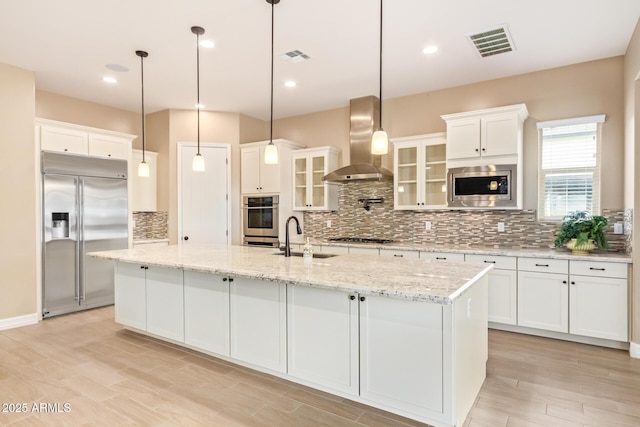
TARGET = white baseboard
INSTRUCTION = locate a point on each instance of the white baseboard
(16, 322)
(634, 350)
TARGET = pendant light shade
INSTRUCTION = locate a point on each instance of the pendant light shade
(143, 167)
(380, 140)
(271, 151)
(198, 161)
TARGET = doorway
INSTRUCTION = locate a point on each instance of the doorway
(204, 209)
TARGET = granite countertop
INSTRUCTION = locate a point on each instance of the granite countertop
(418, 280)
(559, 253)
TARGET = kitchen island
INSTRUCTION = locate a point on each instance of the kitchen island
(406, 336)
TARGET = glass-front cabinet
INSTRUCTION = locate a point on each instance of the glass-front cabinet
(420, 172)
(310, 192)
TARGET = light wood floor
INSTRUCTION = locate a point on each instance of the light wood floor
(109, 376)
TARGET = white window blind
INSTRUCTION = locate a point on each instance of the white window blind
(569, 167)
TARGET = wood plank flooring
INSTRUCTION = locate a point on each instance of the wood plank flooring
(109, 376)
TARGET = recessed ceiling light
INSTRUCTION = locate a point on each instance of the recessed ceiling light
(207, 43)
(290, 83)
(429, 50)
(199, 106)
(108, 79)
(117, 68)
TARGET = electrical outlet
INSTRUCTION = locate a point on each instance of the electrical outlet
(328, 223)
(427, 225)
(501, 227)
(617, 228)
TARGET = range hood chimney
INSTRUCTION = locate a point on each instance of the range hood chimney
(363, 116)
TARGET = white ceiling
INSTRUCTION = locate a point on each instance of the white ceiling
(69, 42)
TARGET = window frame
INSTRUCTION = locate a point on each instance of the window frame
(597, 169)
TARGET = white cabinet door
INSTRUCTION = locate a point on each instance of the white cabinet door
(108, 146)
(144, 189)
(256, 176)
(499, 135)
(165, 302)
(130, 301)
(322, 332)
(258, 323)
(463, 138)
(64, 140)
(598, 307)
(503, 301)
(308, 167)
(206, 311)
(543, 301)
(401, 353)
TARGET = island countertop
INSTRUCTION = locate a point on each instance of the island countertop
(418, 280)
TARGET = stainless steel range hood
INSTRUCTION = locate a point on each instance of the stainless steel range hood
(364, 120)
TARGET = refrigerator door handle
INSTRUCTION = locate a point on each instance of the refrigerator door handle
(80, 243)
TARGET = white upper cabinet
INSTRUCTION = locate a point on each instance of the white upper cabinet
(488, 136)
(420, 172)
(258, 177)
(310, 192)
(76, 139)
(144, 189)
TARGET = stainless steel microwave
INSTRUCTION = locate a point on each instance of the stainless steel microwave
(482, 186)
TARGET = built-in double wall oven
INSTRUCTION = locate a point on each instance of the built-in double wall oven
(261, 219)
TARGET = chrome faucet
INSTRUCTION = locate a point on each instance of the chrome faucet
(287, 247)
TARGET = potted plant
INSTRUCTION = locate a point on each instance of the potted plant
(582, 232)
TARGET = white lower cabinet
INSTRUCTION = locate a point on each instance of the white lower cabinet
(543, 301)
(401, 353)
(150, 298)
(206, 311)
(258, 323)
(130, 299)
(503, 287)
(165, 302)
(322, 337)
(598, 300)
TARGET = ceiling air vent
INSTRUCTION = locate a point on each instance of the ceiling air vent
(492, 42)
(295, 56)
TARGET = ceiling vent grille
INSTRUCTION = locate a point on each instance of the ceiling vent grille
(295, 56)
(492, 42)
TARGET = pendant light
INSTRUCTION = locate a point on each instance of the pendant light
(198, 160)
(143, 167)
(271, 151)
(380, 140)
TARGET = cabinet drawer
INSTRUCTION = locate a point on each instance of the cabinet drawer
(501, 262)
(544, 265)
(362, 251)
(399, 254)
(101, 146)
(64, 140)
(598, 269)
(442, 256)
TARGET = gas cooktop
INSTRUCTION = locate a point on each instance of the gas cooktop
(360, 240)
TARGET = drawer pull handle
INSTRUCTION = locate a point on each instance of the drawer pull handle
(542, 265)
(596, 269)
(441, 257)
(398, 255)
(489, 262)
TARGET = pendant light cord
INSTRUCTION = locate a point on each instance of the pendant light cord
(198, 85)
(142, 81)
(380, 112)
(271, 120)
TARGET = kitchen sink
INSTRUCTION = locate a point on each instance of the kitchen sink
(315, 255)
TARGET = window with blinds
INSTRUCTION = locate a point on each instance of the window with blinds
(569, 167)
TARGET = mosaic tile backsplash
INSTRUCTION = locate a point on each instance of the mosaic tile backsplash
(457, 228)
(150, 225)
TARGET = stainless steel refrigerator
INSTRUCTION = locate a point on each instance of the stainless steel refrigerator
(84, 210)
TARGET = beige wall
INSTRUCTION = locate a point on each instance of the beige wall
(72, 110)
(18, 267)
(632, 158)
(572, 91)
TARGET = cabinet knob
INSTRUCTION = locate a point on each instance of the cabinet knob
(564, 282)
(66, 149)
(224, 279)
(230, 279)
(185, 238)
(484, 149)
(142, 267)
(362, 298)
(477, 150)
(573, 283)
(108, 155)
(352, 297)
